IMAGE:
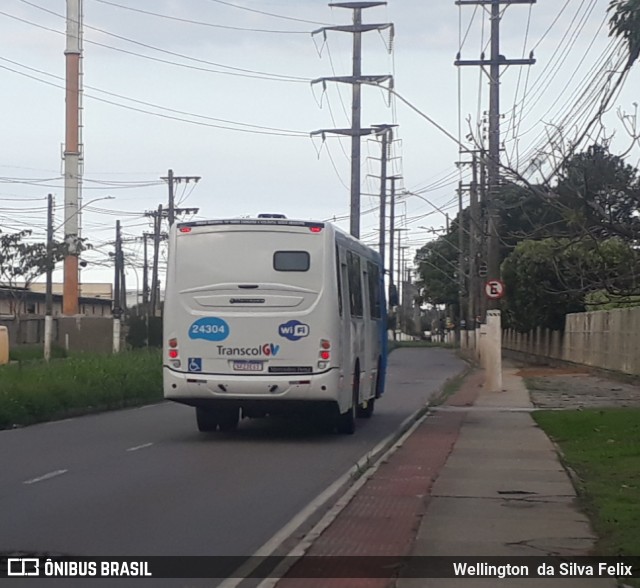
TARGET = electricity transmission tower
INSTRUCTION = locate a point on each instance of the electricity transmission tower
(356, 79)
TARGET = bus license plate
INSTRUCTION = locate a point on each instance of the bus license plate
(248, 366)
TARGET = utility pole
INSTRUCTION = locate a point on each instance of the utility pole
(117, 309)
(386, 132)
(72, 157)
(495, 62)
(156, 251)
(472, 310)
(356, 79)
(493, 347)
(172, 180)
(461, 267)
(158, 235)
(48, 319)
(123, 282)
(393, 290)
(383, 193)
(402, 290)
(469, 262)
(145, 274)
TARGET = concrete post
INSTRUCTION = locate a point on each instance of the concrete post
(116, 335)
(48, 330)
(482, 346)
(493, 347)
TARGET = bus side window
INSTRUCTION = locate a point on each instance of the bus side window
(373, 276)
(355, 284)
(339, 277)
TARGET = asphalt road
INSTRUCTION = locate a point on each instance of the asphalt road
(145, 482)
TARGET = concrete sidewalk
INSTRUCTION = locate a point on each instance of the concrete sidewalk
(477, 477)
(503, 492)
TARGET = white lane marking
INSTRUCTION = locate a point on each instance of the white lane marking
(143, 446)
(45, 477)
(365, 467)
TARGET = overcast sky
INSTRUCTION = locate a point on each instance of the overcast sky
(222, 90)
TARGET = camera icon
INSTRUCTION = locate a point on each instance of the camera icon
(23, 566)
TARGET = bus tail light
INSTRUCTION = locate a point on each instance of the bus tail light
(325, 353)
(173, 352)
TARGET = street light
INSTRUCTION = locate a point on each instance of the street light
(50, 233)
(48, 319)
(71, 286)
(66, 220)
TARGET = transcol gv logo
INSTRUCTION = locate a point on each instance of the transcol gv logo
(293, 330)
(268, 349)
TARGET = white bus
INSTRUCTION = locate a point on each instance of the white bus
(272, 316)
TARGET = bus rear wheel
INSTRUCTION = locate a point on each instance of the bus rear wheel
(366, 411)
(347, 421)
(206, 419)
(228, 419)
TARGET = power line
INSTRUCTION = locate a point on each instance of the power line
(267, 13)
(234, 70)
(199, 22)
(276, 132)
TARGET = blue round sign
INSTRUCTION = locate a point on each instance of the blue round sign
(209, 328)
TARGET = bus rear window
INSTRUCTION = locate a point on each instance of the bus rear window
(291, 261)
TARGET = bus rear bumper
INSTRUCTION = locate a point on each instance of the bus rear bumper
(263, 394)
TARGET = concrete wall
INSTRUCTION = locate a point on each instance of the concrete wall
(85, 333)
(81, 333)
(606, 339)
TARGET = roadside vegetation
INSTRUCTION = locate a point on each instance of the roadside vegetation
(32, 390)
(602, 446)
(34, 352)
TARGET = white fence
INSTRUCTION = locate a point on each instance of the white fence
(607, 339)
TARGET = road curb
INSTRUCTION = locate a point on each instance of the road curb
(346, 488)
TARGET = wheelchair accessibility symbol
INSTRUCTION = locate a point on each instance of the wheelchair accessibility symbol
(195, 364)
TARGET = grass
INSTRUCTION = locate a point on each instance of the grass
(34, 352)
(36, 391)
(602, 446)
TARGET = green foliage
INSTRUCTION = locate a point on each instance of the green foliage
(600, 194)
(545, 280)
(602, 300)
(561, 242)
(36, 391)
(535, 294)
(21, 261)
(143, 330)
(437, 265)
(525, 214)
(625, 23)
(602, 447)
(24, 262)
(34, 352)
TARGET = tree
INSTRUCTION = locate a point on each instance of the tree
(599, 194)
(143, 330)
(625, 23)
(547, 279)
(437, 266)
(22, 262)
(525, 213)
(535, 296)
